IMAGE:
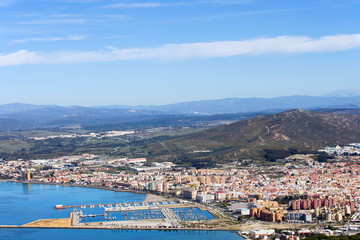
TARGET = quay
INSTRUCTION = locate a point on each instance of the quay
(113, 207)
(119, 228)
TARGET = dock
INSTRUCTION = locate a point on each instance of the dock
(114, 207)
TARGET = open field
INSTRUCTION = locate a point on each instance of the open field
(13, 145)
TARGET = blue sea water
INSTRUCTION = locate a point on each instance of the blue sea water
(122, 216)
(192, 214)
(23, 203)
(75, 234)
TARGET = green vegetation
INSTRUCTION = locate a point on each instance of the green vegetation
(13, 145)
(324, 237)
(224, 204)
(288, 198)
(263, 139)
(274, 154)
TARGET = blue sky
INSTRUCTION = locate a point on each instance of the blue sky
(92, 52)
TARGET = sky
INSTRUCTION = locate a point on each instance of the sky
(105, 52)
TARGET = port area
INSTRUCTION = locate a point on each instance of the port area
(50, 223)
(171, 215)
(165, 215)
(145, 215)
(241, 229)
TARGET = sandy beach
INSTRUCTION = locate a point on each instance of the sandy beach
(153, 198)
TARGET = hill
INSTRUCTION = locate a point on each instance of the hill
(263, 136)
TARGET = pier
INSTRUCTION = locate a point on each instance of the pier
(171, 218)
(115, 207)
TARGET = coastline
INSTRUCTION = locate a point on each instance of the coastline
(153, 197)
(149, 197)
(77, 185)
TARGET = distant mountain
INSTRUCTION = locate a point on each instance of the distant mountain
(9, 124)
(293, 130)
(57, 116)
(19, 107)
(236, 105)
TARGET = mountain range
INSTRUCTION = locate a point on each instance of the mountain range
(17, 116)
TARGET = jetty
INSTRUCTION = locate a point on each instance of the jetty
(114, 207)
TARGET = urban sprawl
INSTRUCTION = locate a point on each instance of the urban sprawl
(301, 191)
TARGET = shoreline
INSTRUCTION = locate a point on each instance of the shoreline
(149, 197)
(235, 228)
(77, 185)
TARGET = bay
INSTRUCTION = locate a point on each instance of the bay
(23, 203)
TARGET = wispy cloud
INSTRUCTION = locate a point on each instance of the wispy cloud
(48, 39)
(55, 21)
(65, 15)
(225, 2)
(277, 45)
(212, 17)
(172, 4)
(5, 3)
(139, 5)
(117, 37)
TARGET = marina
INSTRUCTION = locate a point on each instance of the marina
(113, 207)
(192, 214)
(166, 214)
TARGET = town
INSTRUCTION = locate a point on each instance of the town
(303, 192)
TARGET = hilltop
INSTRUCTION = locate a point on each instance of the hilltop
(290, 131)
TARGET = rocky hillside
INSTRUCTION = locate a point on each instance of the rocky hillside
(294, 130)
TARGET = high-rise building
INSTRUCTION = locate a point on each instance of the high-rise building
(26, 175)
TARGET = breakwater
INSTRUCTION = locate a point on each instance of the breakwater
(119, 228)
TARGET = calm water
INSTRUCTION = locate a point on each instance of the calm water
(23, 203)
(71, 234)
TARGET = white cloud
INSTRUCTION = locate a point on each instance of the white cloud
(48, 39)
(277, 45)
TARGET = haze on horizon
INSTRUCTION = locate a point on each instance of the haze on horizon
(92, 52)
